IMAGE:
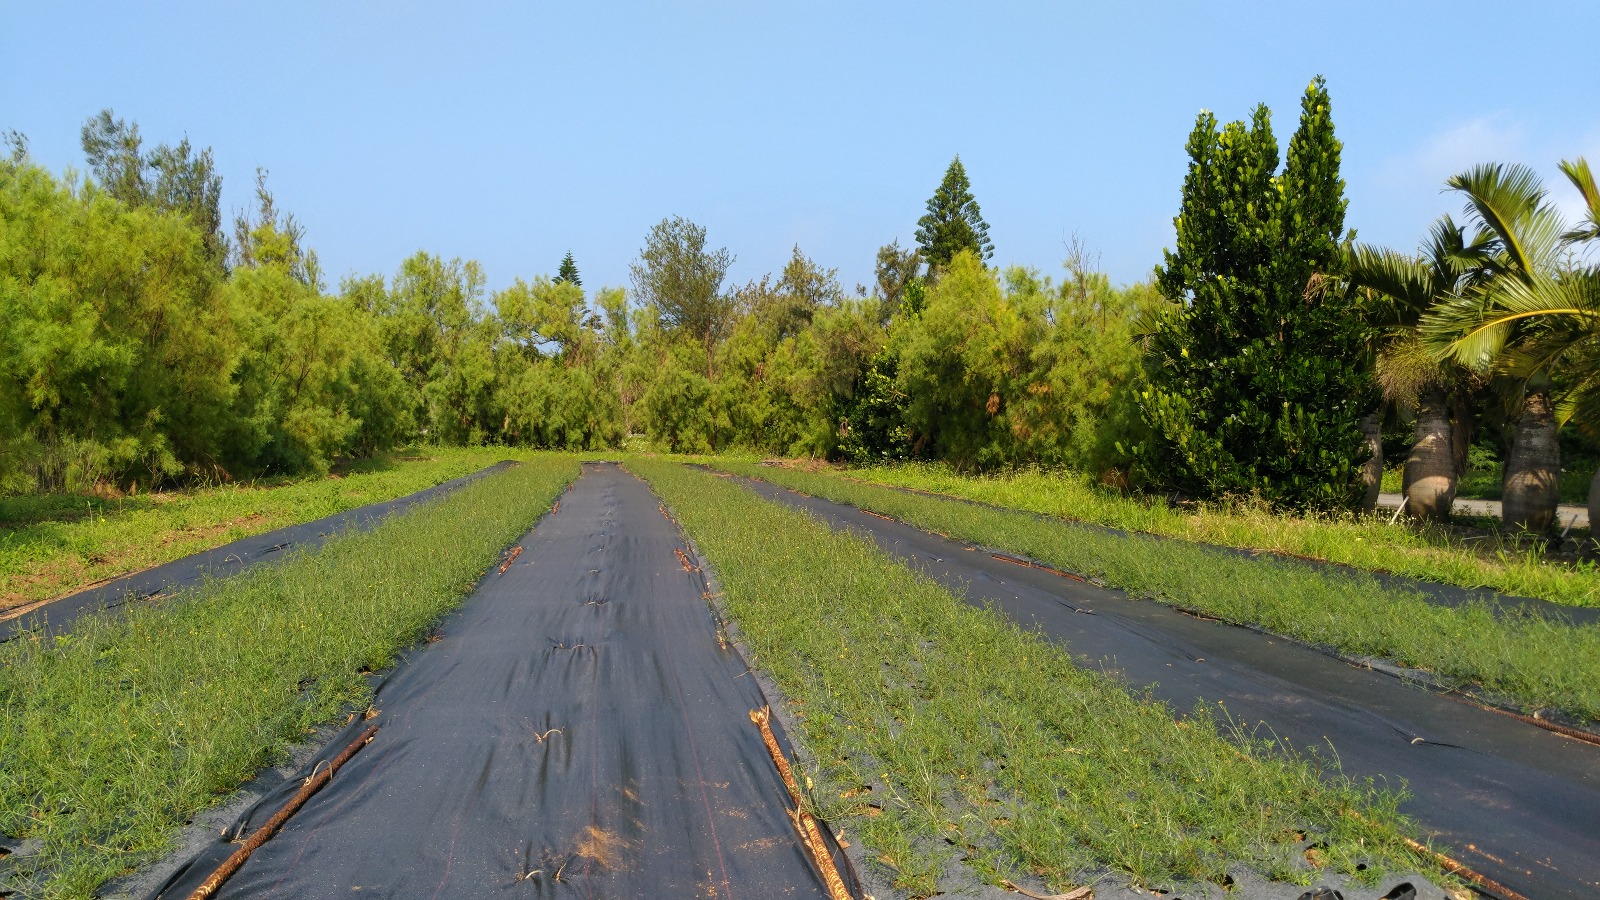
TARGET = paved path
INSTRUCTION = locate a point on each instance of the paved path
(577, 730)
(1517, 803)
(1576, 516)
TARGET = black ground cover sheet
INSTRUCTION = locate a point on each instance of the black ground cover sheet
(1433, 592)
(58, 615)
(1512, 801)
(576, 730)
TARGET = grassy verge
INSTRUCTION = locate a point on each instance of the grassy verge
(935, 728)
(1369, 542)
(1527, 661)
(53, 544)
(113, 736)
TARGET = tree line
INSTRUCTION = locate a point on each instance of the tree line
(1269, 355)
(147, 343)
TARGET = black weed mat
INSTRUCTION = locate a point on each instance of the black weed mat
(577, 729)
(1431, 591)
(1516, 803)
(58, 615)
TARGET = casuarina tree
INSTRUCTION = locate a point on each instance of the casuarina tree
(682, 280)
(569, 271)
(1256, 381)
(953, 222)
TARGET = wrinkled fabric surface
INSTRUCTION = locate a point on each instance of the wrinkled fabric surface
(57, 616)
(1512, 801)
(576, 730)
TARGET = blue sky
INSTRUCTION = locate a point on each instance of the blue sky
(512, 132)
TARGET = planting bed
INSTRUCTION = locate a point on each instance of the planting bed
(586, 724)
(1467, 558)
(114, 734)
(946, 739)
(1539, 663)
(578, 728)
(56, 616)
(1518, 803)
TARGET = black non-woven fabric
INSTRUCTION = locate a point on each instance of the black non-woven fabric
(576, 730)
(1515, 802)
(57, 616)
(1432, 592)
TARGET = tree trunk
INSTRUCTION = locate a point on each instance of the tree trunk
(1531, 489)
(1594, 506)
(1372, 472)
(1430, 472)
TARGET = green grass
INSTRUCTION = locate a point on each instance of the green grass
(53, 544)
(933, 729)
(1365, 542)
(112, 737)
(1526, 661)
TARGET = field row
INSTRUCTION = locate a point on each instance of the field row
(932, 732)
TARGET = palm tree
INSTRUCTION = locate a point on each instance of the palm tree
(1517, 320)
(1399, 290)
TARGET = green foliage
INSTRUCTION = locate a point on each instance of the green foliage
(682, 280)
(953, 222)
(117, 354)
(895, 270)
(680, 409)
(1009, 369)
(1256, 378)
(569, 271)
(168, 179)
(872, 426)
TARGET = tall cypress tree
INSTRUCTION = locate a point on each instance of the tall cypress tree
(1255, 379)
(569, 271)
(953, 222)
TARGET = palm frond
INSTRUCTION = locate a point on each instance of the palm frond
(1577, 172)
(1475, 327)
(1448, 252)
(1406, 368)
(1510, 202)
(1404, 281)
(1455, 329)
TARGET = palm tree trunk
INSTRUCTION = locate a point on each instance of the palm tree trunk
(1531, 487)
(1430, 472)
(1372, 472)
(1594, 506)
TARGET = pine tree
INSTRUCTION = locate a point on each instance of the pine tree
(569, 271)
(953, 222)
(1255, 380)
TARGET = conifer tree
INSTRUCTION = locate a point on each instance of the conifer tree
(1255, 379)
(569, 271)
(953, 222)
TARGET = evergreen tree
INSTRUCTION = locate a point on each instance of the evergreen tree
(953, 222)
(171, 179)
(569, 271)
(1256, 381)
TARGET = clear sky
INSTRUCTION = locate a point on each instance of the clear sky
(512, 132)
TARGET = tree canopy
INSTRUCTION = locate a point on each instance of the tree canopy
(1257, 379)
(953, 222)
(568, 272)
